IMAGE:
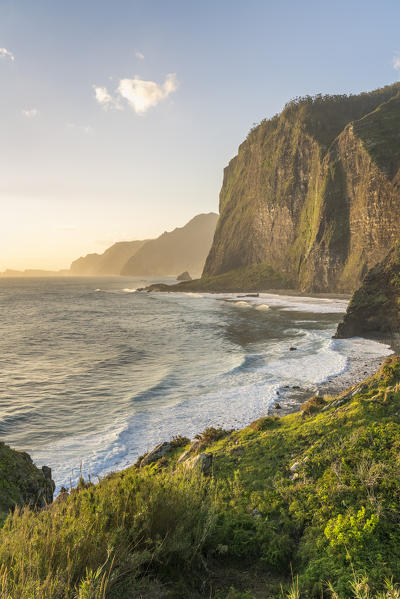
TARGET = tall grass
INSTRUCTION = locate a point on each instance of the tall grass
(104, 539)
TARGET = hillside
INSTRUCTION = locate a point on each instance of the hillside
(21, 482)
(283, 508)
(314, 192)
(374, 309)
(184, 248)
(109, 262)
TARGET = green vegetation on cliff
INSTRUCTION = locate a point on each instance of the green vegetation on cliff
(314, 192)
(374, 309)
(257, 277)
(21, 482)
(314, 495)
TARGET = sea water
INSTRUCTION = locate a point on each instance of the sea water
(93, 373)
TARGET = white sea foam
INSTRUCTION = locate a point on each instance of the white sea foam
(262, 307)
(304, 304)
(233, 398)
(291, 303)
(127, 290)
(192, 294)
(242, 304)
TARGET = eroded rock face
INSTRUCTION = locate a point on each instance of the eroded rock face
(156, 454)
(374, 309)
(186, 454)
(315, 192)
(201, 462)
(21, 482)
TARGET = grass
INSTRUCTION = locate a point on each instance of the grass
(249, 530)
(257, 277)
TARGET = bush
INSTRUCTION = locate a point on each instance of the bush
(211, 435)
(312, 405)
(127, 525)
(264, 423)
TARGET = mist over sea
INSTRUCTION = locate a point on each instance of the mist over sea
(93, 374)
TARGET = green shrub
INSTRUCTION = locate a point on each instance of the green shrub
(128, 525)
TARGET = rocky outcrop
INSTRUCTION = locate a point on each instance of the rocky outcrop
(184, 276)
(156, 454)
(109, 262)
(21, 482)
(200, 463)
(184, 248)
(314, 192)
(374, 309)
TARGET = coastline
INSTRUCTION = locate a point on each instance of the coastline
(359, 368)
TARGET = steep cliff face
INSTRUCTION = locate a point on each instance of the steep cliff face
(314, 192)
(374, 309)
(21, 482)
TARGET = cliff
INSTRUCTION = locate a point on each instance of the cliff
(184, 248)
(374, 309)
(314, 192)
(109, 262)
(21, 482)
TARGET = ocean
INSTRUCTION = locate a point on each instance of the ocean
(93, 374)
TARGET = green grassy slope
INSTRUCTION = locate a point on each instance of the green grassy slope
(257, 277)
(316, 493)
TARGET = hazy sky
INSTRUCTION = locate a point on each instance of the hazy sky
(117, 118)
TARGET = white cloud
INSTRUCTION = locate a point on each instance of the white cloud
(138, 93)
(142, 95)
(30, 113)
(102, 96)
(4, 53)
(396, 62)
(140, 55)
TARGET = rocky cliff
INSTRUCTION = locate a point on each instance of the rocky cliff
(374, 309)
(314, 192)
(109, 262)
(21, 482)
(184, 248)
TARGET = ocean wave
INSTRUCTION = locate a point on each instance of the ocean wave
(242, 304)
(263, 307)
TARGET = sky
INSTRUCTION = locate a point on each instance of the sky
(117, 118)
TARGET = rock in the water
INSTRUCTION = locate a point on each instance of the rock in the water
(155, 454)
(184, 276)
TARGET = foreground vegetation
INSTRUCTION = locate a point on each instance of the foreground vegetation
(300, 506)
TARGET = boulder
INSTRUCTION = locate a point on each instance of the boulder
(186, 454)
(201, 462)
(157, 453)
